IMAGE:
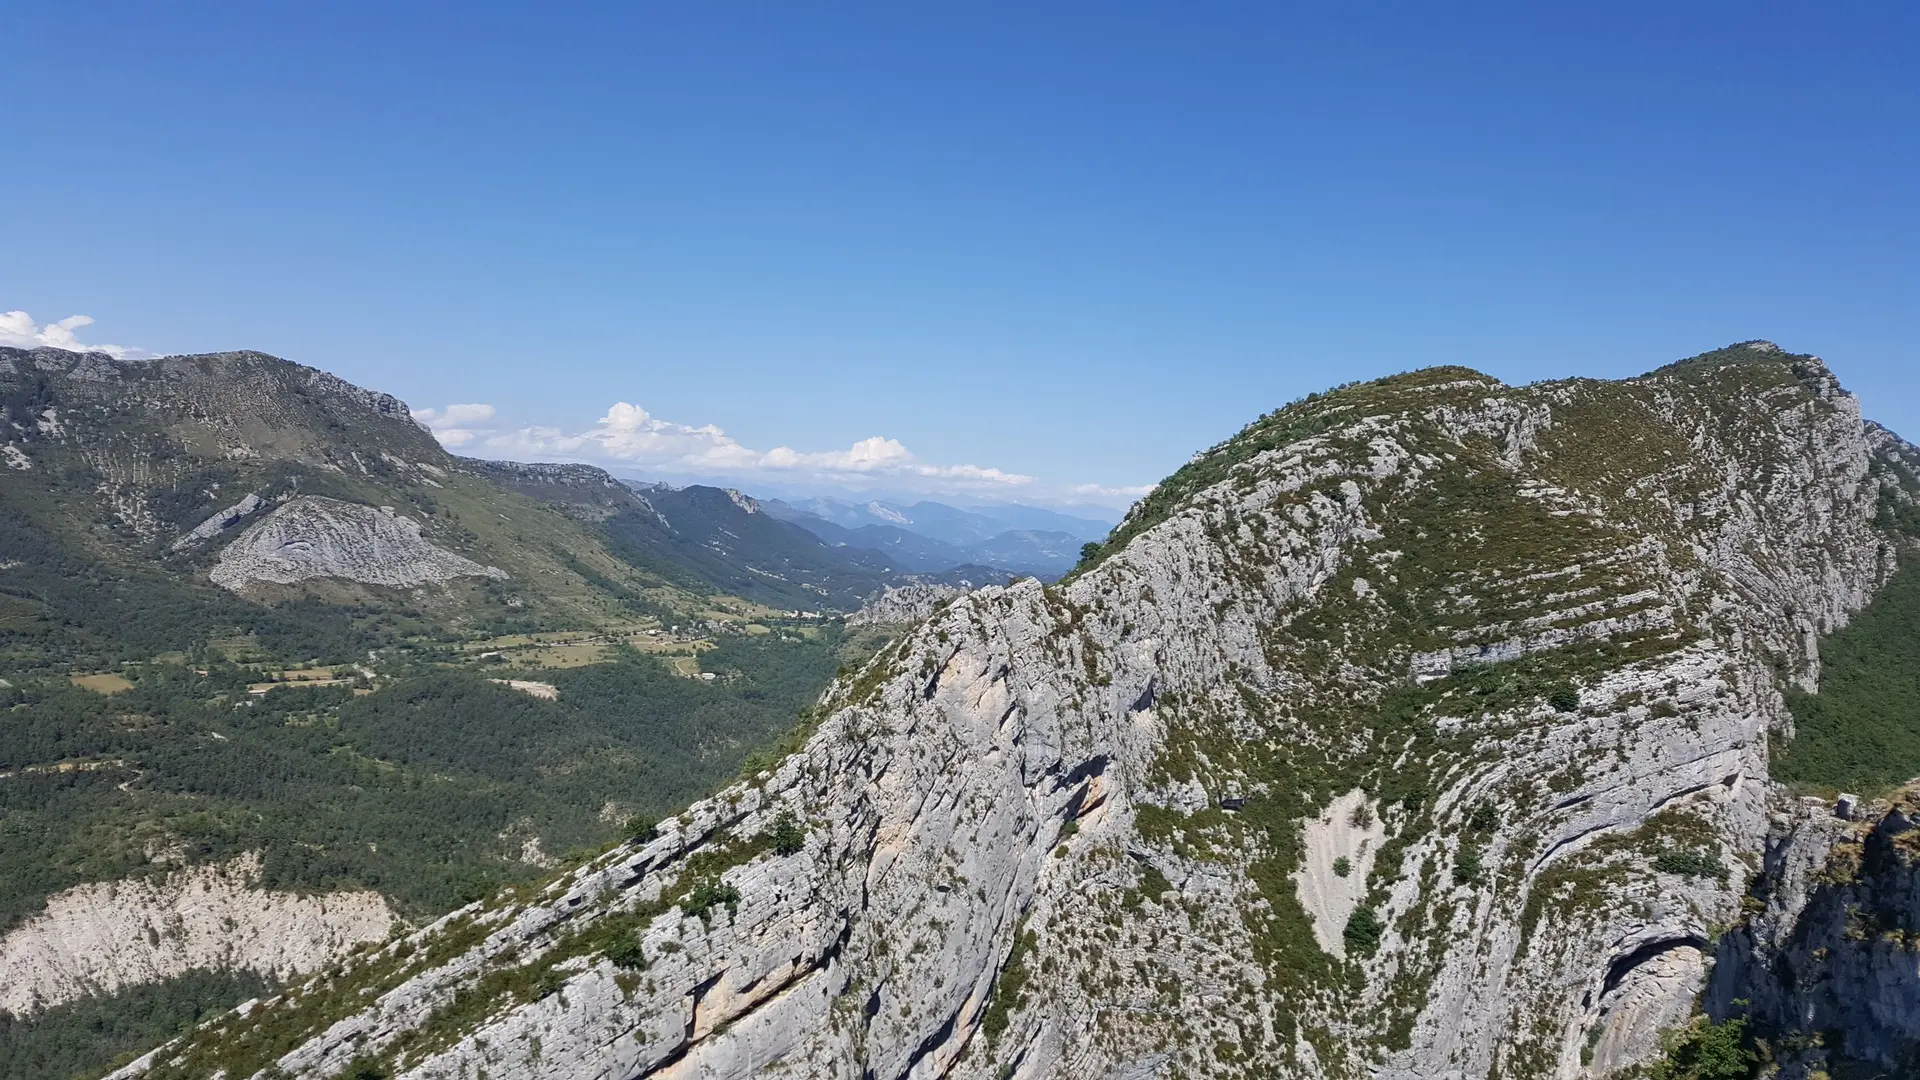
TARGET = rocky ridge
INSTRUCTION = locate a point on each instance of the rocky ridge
(589, 492)
(1536, 634)
(149, 468)
(903, 604)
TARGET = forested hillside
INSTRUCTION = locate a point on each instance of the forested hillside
(1861, 732)
(253, 615)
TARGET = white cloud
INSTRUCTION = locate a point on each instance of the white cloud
(455, 425)
(462, 415)
(629, 435)
(18, 329)
(1106, 493)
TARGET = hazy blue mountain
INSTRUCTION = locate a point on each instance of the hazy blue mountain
(960, 527)
(1020, 551)
(1040, 518)
(910, 550)
(726, 541)
(943, 522)
(1047, 554)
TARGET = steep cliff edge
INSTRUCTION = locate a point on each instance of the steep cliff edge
(1823, 967)
(1501, 661)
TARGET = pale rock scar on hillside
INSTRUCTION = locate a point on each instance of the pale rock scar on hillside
(106, 936)
(314, 537)
(1350, 830)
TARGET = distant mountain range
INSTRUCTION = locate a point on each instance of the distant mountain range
(798, 550)
(719, 538)
(930, 536)
(949, 524)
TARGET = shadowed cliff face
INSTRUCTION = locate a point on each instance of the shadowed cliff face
(1826, 964)
(1483, 675)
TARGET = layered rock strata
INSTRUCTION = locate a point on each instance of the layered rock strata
(1513, 654)
(314, 537)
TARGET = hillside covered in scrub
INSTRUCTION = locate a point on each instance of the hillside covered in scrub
(1425, 728)
(279, 676)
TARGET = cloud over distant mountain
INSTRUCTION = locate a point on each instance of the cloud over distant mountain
(629, 435)
(455, 426)
(18, 330)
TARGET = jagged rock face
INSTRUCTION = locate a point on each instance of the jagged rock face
(1495, 651)
(1831, 948)
(103, 937)
(314, 537)
(903, 604)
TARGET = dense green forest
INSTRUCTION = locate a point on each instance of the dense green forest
(61, 609)
(83, 1038)
(1861, 732)
(425, 789)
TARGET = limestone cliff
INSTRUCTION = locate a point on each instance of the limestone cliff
(1824, 963)
(313, 537)
(103, 937)
(903, 604)
(1420, 730)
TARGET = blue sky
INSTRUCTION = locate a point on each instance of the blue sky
(942, 248)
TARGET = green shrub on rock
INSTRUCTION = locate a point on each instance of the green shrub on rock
(788, 836)
(1363, 932)
(708, 895)
(1690, 863)
(642, 828)
(1564, 698)
(625, 951)
(1466, 866)
(1707, 1051)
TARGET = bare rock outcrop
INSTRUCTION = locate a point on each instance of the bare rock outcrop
(1523, 645)
(220, 522)
(903, 604)
(1830, 939)
(106, 936)
(314, 537)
